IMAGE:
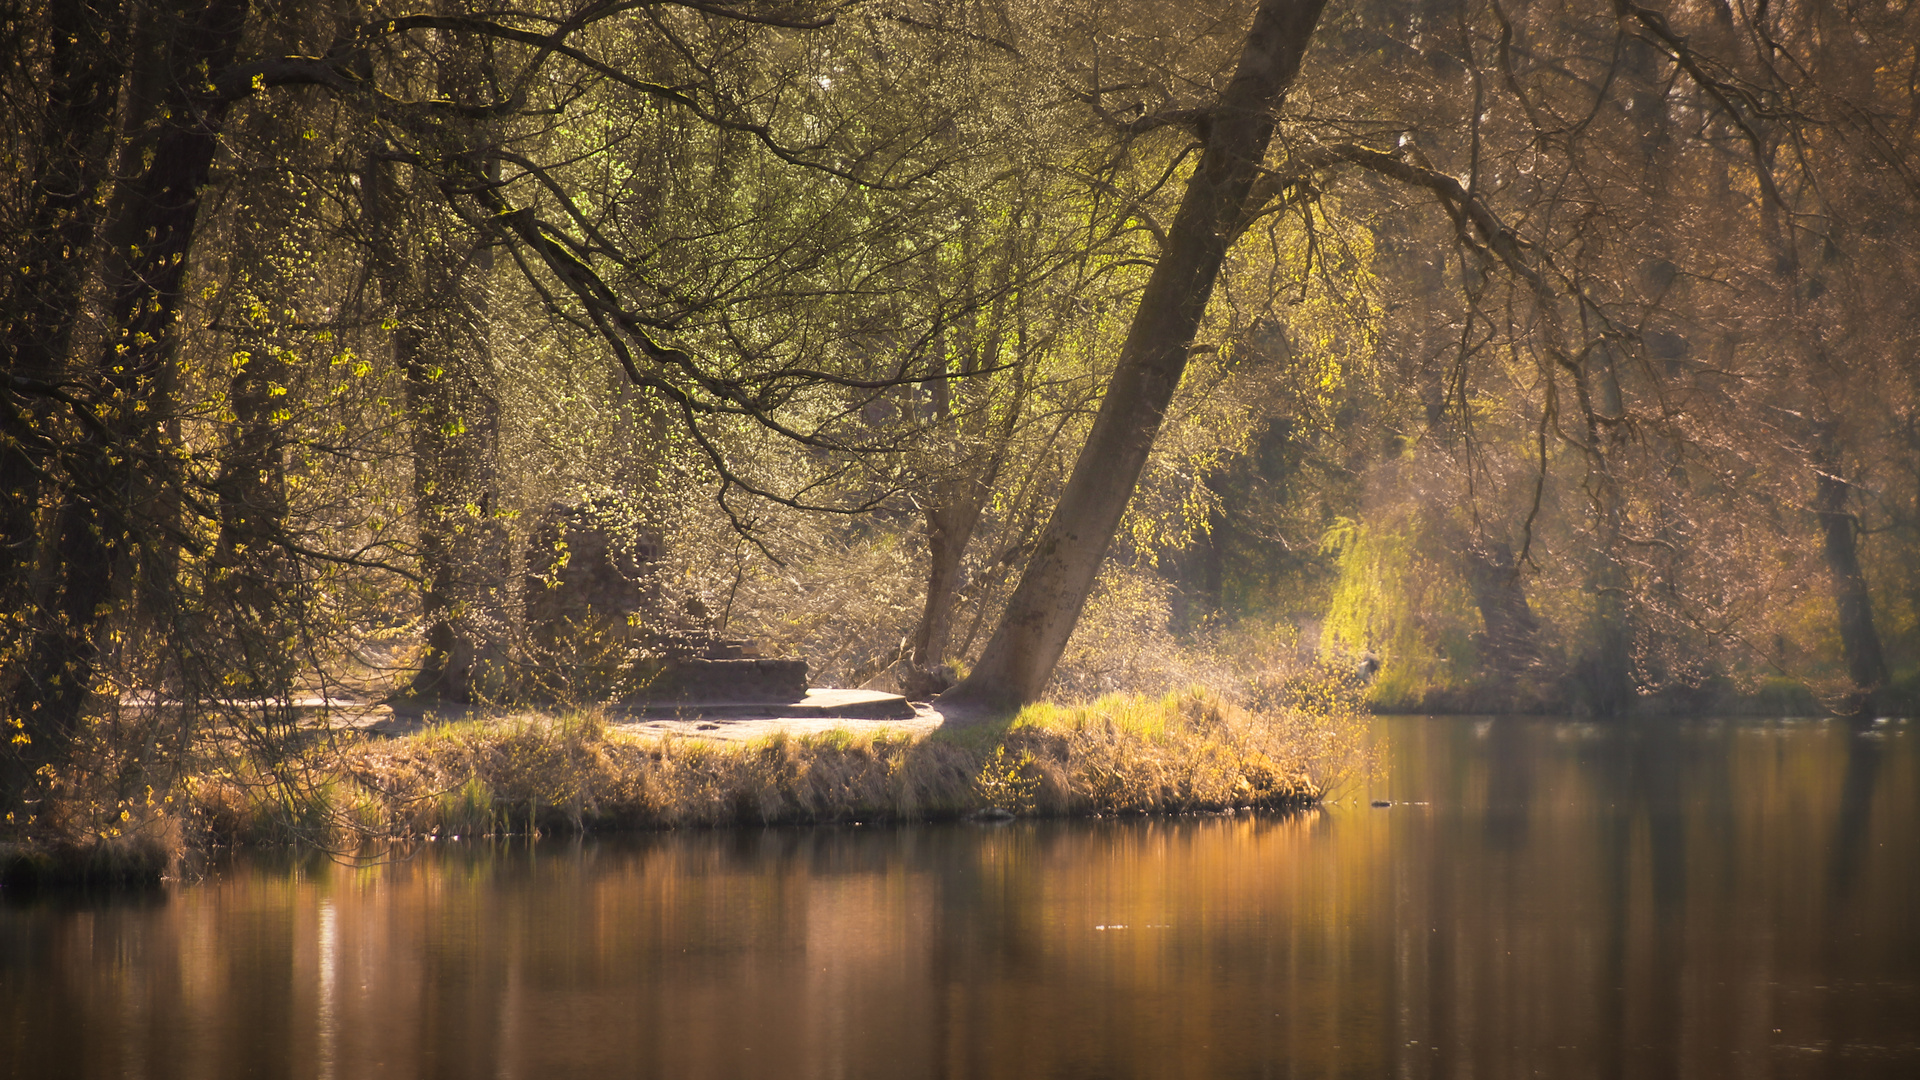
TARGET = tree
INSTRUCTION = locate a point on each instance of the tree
(64, 148)
(1041, 615)
(114, 515)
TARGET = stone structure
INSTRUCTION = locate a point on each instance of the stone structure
(598, 627)
(579, 575)
(726, 681)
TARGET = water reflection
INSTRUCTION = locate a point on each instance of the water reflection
(1542, 899)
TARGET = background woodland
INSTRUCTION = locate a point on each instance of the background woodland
(1558, 357)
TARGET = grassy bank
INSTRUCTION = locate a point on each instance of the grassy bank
(575, 772)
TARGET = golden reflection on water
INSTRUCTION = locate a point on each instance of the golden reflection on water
(1542, 899)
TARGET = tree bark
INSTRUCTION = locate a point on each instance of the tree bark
(465, 557)
(957, 501)
(40, 309)
(83, 78)
(253, 572)
(463, 547)
(1040, 617)
(1839, 528)
(111, 518)
(254, 586)
(1512, 633)
(1607, 667)
(950, 528)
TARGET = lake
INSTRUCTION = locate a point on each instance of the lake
(1542, 899)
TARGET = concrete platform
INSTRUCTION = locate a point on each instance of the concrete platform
(819, 702)
(857, 712)
(821, 710)
(748, 729)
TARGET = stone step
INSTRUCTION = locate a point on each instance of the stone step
(766, 680)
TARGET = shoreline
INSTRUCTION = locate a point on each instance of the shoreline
(580, 773)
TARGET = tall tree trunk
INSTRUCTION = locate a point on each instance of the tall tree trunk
(43, 303)
(112, 518)
(1606, 669)
(1512, 633)
(1839, 528)
(252, 588)
(464, 557)
(1040, 617)
(463, 545)
(250, 562)
(255, 597)
(41, 306)
(956, 502)
(950, 526)
(456, 441)
(464, 552)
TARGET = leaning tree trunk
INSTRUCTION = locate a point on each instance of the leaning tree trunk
(1040, 617)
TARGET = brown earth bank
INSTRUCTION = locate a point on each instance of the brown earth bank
(351, 791)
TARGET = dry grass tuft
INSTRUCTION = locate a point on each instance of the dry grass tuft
(1128, 753)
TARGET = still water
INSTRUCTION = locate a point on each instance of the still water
(1542, 899)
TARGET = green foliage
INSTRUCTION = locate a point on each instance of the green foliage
(1293, 337)
(1393, 603)
(469, 810)
(1008, 783)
